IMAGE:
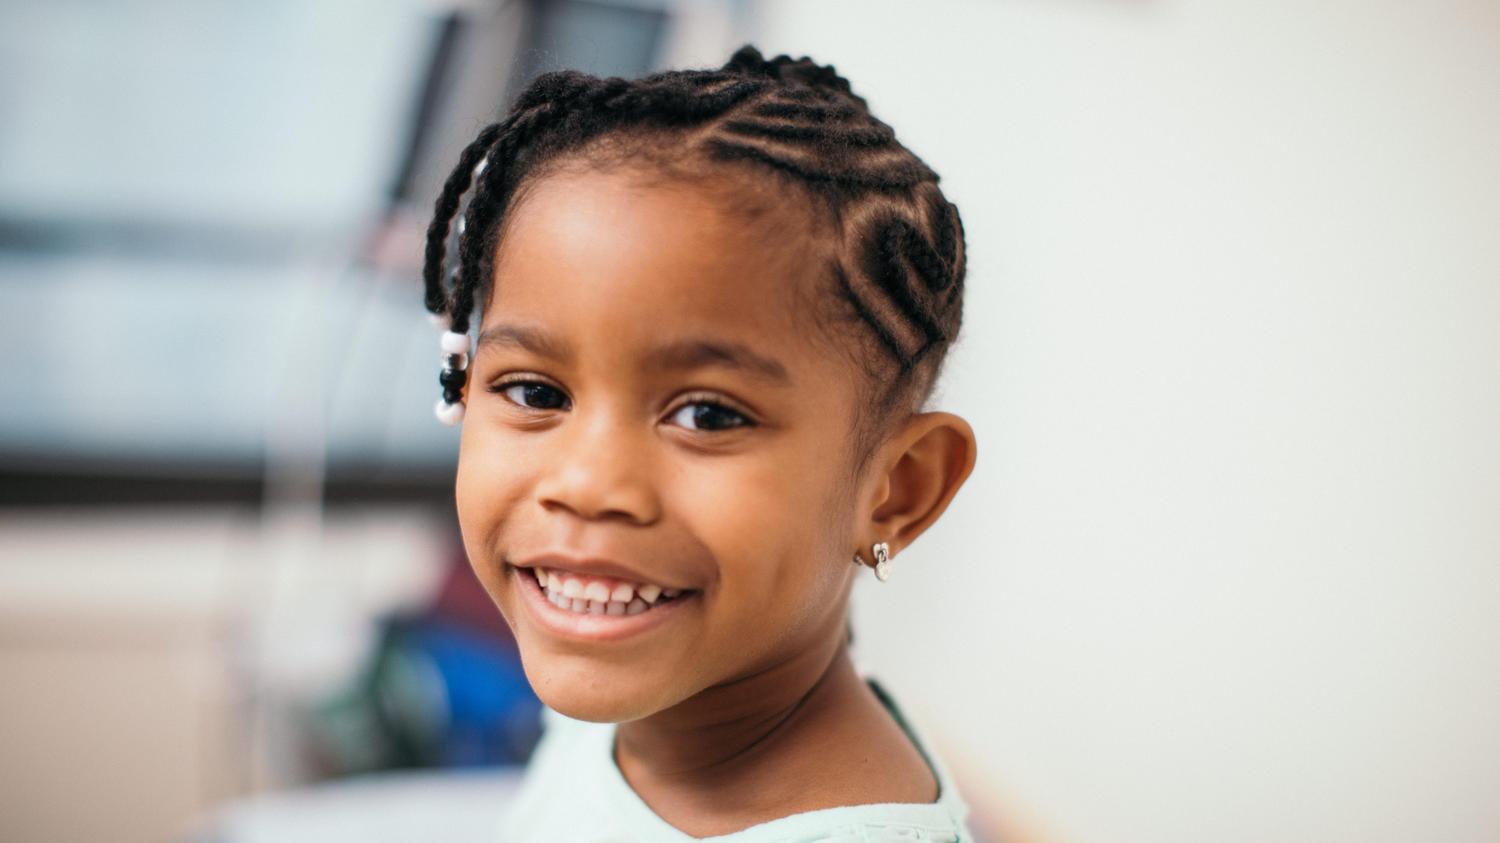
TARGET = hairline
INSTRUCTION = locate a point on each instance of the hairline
(819, 308)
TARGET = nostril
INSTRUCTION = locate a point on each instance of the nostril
(604, 479)
(633, 506)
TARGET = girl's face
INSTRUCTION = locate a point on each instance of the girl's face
(647, 410)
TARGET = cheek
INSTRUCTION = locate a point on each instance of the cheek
(487, 486)
(776, 526)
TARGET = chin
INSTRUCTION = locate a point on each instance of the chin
(583, 688)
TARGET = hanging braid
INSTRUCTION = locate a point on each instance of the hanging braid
(900, 258)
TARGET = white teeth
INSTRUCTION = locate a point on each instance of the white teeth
(597, 597)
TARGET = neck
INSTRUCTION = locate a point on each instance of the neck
(802, 735)
(726, 732)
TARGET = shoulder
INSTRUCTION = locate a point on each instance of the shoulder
(562, 779)
(879, 823)
(566, 744)
(947, 790)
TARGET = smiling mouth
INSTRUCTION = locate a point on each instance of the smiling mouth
(587, 595)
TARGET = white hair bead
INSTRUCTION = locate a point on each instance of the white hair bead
(441, 321)
(449, 414)
(454, 343)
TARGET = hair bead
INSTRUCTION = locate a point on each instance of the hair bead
(455, 343)
(449, 413)
(453, 379)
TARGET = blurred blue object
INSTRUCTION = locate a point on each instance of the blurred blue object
(492, 714)
(435, 693)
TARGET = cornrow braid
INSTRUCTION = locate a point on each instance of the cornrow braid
(899, 258)
(447, 205)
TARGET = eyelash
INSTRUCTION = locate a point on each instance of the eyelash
(500, 387)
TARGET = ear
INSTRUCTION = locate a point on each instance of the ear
(918, 471)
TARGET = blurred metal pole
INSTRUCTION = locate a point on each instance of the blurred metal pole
(435, 84)
(313, 364)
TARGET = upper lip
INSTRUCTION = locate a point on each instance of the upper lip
(597, 566)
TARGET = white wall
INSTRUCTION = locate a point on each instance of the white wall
(1229, 566)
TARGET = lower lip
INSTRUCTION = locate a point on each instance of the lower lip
(565, 623)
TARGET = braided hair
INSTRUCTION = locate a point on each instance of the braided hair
(898, 264)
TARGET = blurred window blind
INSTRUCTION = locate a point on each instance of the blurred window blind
(179, 180)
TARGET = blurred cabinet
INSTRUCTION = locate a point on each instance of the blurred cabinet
(146, 656)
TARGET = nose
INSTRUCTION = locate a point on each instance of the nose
(600, 471)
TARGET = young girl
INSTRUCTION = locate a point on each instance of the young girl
(712, 305)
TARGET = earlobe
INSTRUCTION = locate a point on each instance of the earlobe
(930, 459)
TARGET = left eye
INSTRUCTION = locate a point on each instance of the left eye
(534, 395)
(705, 415)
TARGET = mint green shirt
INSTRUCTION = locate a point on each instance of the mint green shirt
(573, 791)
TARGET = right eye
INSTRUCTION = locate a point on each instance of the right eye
(533, 395)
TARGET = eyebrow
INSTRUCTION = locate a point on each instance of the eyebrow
(681, 354)
(534, 340)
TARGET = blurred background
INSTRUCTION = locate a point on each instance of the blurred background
(1228, 567)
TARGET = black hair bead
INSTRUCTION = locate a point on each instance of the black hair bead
(452, 396)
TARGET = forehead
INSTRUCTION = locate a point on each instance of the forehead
(631, 259)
